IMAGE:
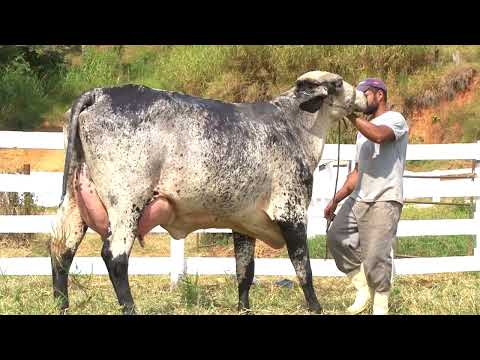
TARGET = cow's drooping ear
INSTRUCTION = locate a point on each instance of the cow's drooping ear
(338, 84)
(335, 86)
(311, 94)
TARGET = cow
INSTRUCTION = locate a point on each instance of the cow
(138, 157)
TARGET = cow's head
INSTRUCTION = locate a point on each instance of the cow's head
(320, 89)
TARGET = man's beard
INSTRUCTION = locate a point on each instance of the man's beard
(371, 108)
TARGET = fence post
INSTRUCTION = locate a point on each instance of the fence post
(177, 258)
(27, 197)
(476, 216)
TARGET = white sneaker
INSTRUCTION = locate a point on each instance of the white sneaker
(364, 293)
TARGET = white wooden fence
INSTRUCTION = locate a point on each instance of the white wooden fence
(47, 188)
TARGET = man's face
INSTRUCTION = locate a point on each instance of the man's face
(372, 101)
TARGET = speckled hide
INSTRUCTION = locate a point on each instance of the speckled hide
(157, 157)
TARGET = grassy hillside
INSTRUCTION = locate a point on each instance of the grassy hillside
(36, 87)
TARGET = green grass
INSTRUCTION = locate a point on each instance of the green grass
(411, 212)
(426, 294)
(436, 246)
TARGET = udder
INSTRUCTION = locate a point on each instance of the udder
(92, 210)
(158, 212)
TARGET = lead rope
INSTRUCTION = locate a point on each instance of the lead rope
(329, 222)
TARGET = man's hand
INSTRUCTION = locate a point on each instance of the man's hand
(357, 115)
(329, 211)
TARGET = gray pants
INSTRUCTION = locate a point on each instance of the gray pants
(365, 232)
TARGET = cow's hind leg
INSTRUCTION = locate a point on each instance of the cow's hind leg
(296, 238)
(66, 236)
(245, 264)
(115, 253)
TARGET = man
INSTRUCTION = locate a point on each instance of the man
(362, 233)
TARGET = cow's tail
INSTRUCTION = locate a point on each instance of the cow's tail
(85, 100)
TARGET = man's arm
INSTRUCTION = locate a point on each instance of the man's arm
(376, 133)
(348, 186)
(341, 194)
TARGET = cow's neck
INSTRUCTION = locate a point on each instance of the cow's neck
(313, 130)
(313, 127)
(317, 135)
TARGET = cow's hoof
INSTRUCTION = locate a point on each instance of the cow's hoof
(129, 310)
(244, 311)
(63, 307)
(315, 308)
(63, 311)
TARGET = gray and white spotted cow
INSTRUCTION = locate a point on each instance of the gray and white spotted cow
(139, 157)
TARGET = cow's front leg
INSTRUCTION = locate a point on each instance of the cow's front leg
(295, 235)
(245, 263)
(115, 253)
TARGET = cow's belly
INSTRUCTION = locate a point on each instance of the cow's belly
(180, 220)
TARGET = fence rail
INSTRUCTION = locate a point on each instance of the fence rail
(84, 265)
(47, 186)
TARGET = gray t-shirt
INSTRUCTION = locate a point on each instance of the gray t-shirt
(381, 166)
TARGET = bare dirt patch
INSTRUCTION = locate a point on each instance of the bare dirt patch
(39, 160)
(429, 125)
